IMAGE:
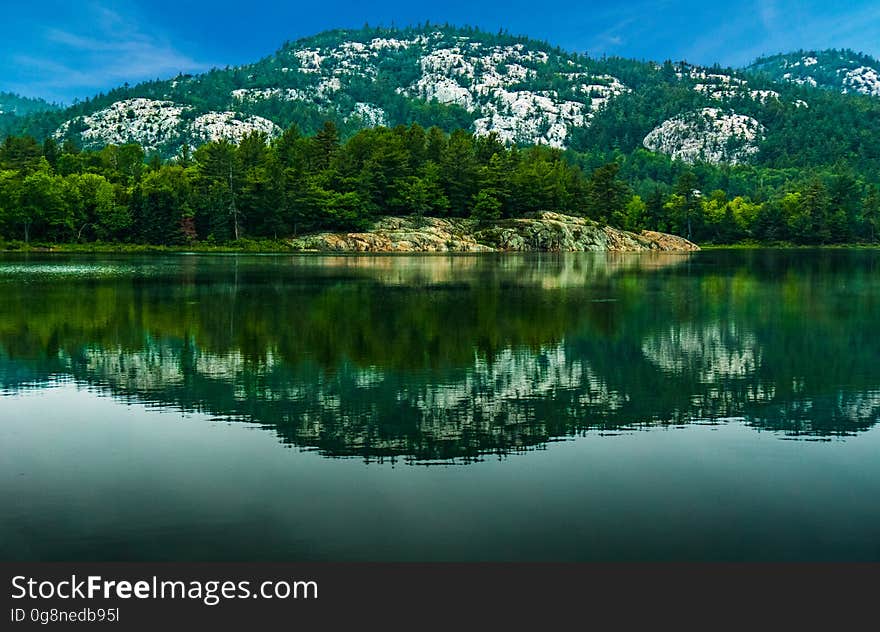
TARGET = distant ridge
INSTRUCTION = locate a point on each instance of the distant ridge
(523, 90)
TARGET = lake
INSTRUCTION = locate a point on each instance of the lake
(719, 405)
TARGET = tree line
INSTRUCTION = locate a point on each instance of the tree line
(296, 183)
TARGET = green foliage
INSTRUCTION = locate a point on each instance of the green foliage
(814, 180)
(299, 183)
(486, 206)
(258, 189)
(634, 216)
(607, 195)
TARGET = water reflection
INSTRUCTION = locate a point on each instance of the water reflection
(432, 359)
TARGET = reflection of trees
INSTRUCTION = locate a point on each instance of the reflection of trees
(488, 360)
(544, 270)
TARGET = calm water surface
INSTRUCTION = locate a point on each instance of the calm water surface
(712, 406)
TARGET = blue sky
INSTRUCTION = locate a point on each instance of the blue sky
(67, 50)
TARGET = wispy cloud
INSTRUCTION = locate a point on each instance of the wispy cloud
(623, 24)
(611, 37)
(768, 10)
(786, 25)
(111, 50)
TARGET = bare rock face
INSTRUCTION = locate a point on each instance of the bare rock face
(665, 242)
(545, 232)
(708, 135)
(553, 232)
(159, 124)
(397, 234)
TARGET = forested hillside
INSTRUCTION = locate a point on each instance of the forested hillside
(844, 71)
(13, 107)
(333, 131)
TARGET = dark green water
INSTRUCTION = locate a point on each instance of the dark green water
(714, 406)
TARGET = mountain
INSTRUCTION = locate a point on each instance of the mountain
(526, 91)
(13, 107)
(770, 114)
(13, 104)
(843, 71)
(447, 122)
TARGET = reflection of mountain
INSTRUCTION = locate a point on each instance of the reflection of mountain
(490, 359)
(710, 353)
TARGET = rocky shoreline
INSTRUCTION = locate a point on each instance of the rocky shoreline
(543, 232)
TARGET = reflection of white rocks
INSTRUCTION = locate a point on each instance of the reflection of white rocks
(488, 403)
(147, 369)
(500, 388)
(712, 352)
(710, 135)
(492, 388)
(861, 407)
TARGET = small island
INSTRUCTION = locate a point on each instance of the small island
(542, 232)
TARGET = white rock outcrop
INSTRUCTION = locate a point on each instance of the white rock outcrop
(157, 124)
(852, 75)
(260, 94)
(145, 121)
(487, 80)
(520, 92)
(708, 135)
(864, 80)
(802, 81)
(231, 126)
(369, 114)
